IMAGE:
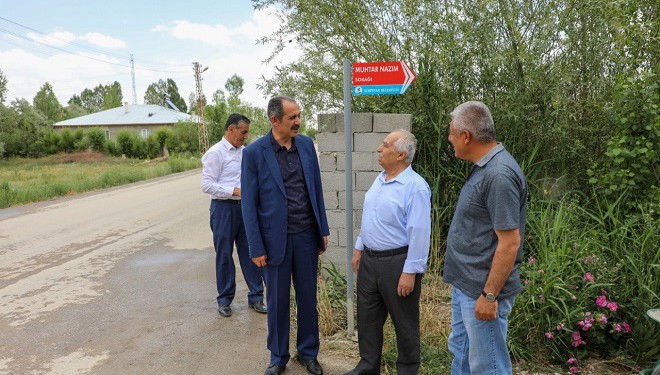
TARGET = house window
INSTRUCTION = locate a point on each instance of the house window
(144, 133)
(107, 134)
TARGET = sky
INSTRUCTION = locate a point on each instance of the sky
(80, 44)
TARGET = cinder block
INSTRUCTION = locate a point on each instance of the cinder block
(364, 180)
(362, 161)
(375, 165)
(329, 142)
(335, 255)
(360, 122)
(328, 161)
(336, 218)
(357, 218)
(388, 122)
(327, 123)
(333, 238)
(331, 200)
(343, 237)
(358, 199)
(367, 142)
(334, 181)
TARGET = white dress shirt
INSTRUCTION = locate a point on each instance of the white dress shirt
(397, 213)
(221, 171)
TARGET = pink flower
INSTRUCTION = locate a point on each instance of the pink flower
(549, 335)
(588, 277)
(617, 327)
(626, 327)
(541, 297)
(574, 298)
(571, 361)
(560, 326)
(577, 339)
(601, 301)
(531, 260)
(525, 282)
(613, 306)
(540, 271)
(574, 370)
(603, 319)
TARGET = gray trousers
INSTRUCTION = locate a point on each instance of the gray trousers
(377, 282)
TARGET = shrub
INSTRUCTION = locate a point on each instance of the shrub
(66, 141)
(588, 281)
(96, 138)
(632, 156)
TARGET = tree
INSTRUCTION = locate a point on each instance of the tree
(46, 102)
(113, 96)
(99, 98)
(3, 87)
(157, 92)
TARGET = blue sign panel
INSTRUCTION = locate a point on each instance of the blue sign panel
(364, 90)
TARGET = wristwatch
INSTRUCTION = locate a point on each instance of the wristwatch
(490, 297)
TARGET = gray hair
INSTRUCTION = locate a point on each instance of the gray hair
(406, 143)
(275, 106)
(474, 117)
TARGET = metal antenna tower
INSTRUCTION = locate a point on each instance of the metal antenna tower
(202, 131)
(133, 78)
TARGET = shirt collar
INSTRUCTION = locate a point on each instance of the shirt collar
(277, 146)
(401, 178)
(486, 158)
(228, 146)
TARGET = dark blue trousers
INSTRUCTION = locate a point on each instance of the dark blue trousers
(300, 264)
(228, 229)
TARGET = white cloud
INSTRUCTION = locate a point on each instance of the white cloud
(57, 38)
(233, 51)
(217, 35)
(103, 41)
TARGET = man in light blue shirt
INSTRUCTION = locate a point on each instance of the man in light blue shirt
(395, 238)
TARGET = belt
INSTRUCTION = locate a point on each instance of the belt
(386, 253)
(231, 201)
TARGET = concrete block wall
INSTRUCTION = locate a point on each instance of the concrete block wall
(369, 130)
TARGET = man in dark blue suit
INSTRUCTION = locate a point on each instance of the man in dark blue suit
(287, 229)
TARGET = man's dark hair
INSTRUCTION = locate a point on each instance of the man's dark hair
(235, 118)
(275, 106)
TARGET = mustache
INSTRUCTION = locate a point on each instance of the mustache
(295, 127)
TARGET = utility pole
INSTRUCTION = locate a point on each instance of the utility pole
(202, 131)
(133, 78)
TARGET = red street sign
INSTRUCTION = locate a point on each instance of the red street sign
(382, 73)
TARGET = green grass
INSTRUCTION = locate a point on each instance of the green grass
(25, 181)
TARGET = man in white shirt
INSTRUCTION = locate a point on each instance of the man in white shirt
(221, 179)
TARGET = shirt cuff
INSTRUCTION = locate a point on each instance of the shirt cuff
(415, 266)
(358, 244)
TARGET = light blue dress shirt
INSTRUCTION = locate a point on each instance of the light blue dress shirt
(397, 213)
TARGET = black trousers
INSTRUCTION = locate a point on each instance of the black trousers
(377, 282)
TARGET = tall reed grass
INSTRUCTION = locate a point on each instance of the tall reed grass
(31, 180)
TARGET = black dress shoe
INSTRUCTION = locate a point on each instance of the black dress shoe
(312, 365)
(274, 369)
(258, 307)
(224, 311)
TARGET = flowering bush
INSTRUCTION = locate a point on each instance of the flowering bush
(595, 322)
(585, 290)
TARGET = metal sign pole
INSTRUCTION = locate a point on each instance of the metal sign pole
(349, 197)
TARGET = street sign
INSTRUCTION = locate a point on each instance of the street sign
(381, 78)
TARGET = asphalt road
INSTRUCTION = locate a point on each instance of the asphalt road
(121, 281)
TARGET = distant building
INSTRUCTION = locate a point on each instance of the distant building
(142, 119)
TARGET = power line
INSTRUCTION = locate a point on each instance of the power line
(86, 46)
(80, 55)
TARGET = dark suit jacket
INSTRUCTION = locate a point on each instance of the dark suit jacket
(264, 201)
